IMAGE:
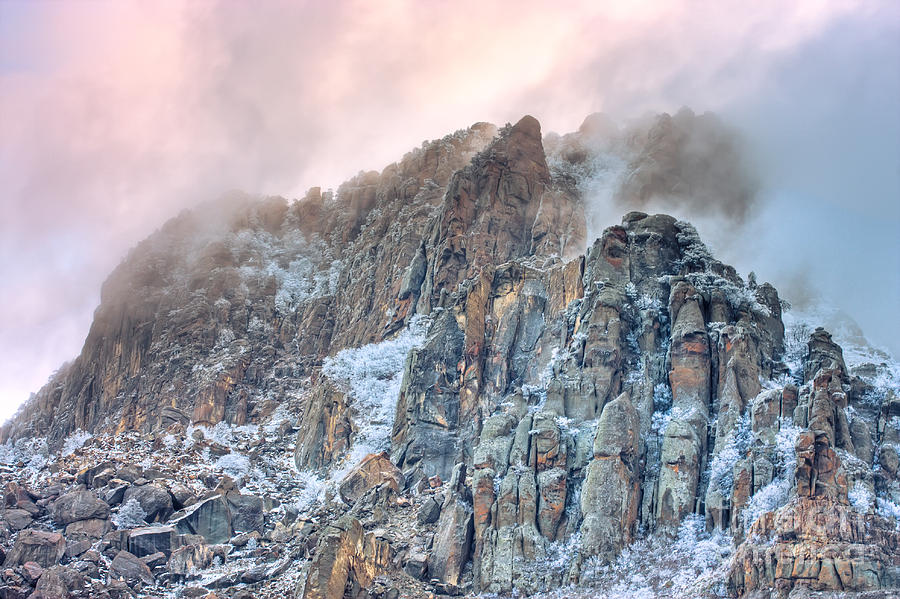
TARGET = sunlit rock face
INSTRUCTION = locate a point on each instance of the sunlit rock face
(514, 406)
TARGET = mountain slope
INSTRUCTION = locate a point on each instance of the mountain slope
(542, 412)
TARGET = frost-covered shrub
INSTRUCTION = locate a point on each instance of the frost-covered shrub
(371, 376)
(796, 338)
(736, 445)
(888, 509)
(235, 465)
(695, 254)
(130, 515)
(301, 268)
(738, 297)
(777, 492)
(861, 497)
(313, 491)
(74, 442)
(693, 564)
(33, 454)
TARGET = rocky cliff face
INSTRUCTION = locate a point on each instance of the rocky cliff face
(533, 413)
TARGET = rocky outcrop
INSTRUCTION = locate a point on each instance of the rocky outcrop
(346, 554)
(610, 495)
(559, 406)
(819, 540)
(171, 341)
(453, 539)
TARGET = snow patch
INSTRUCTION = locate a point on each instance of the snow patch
(371, 377)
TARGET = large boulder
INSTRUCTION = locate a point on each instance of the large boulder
(247, 512)
(374, 470)
(130, 568)
(78, 505)
(44, 548)
(151, 539)
(59, 582)
(210, 518)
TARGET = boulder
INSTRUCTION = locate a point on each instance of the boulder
(182, 496)
(45, 548)
(189, 558)
(151, 539)
(209, 518)
(114, 492)
(374, 470)
(59, 582)
(17, 519)
(429, 511)
(93, 528)
(17, 496)
(246, 512)
(32, 571)
(128, 567)
(155, 560)
(78, 505)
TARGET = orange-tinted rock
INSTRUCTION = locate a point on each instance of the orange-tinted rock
(374, 470)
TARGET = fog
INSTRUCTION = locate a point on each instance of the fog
(116, 115)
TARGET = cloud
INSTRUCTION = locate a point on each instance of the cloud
(115, 115)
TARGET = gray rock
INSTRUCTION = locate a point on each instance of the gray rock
(78, 505)
(128, 567)
(152, 539)
(610, 494)
(453, 539)
(429, 511)
(17, 519)
(246, 512)
(210, 518)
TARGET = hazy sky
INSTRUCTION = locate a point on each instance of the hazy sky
(115, 115)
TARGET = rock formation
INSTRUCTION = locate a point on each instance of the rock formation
(518, 411)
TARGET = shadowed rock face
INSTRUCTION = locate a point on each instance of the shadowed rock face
(570, 398)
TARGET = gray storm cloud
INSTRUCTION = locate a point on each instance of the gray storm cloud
(116, 115)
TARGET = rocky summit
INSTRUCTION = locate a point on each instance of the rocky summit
(450, 379)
